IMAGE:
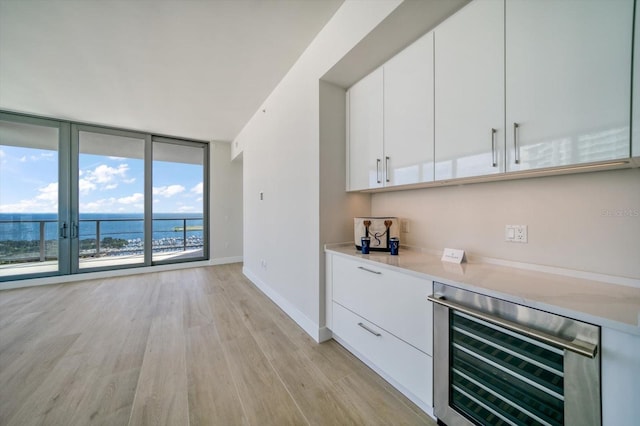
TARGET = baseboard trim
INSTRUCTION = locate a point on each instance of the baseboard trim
(63, 279)
(324, 334)
(311, 328)
(226, 260)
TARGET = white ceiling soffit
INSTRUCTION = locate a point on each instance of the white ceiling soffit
(192, 68)
(408, 22)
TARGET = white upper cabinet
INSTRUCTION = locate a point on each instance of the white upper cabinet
(408, 115)
(469, 92)
(364, 133)
(568, 67)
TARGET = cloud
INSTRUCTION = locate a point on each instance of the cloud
(186, 209)
(101, 205)
(105, 174)
(197, 189)
(29, 206)
(2, 154)
(168, 191)
(132, 199)
(85, 186)
(48, 193)
(23, 159)
(45, 202)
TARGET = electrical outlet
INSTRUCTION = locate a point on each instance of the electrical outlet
(516, 233)
(404, 226)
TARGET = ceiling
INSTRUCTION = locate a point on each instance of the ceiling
(189, 68)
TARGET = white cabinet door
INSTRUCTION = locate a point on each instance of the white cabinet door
(469, 92)
(408, 114)
(568, 79)
(364, 133)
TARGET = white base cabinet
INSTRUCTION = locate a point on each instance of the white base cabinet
(620, 378)
(384, 318)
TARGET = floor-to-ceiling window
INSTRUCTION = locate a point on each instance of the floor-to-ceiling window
(77, 198)
(179, 186)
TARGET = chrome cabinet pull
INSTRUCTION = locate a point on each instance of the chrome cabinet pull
(494, 162)
(386, 169)
(582, 348)
(370, 270)
(378, 170)
(375, 333)
(516, 152)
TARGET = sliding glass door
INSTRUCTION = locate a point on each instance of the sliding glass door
(78, 198)
(108, 197)
(34, 215)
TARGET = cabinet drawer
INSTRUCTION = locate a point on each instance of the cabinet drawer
(393, 301)
(408, 366)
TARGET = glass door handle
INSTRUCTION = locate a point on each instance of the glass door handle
(63, 230)
(74, 230)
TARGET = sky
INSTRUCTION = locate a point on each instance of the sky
(29, 183)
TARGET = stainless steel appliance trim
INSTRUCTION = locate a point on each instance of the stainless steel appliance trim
(582, 348)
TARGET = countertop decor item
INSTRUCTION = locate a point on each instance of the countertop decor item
(379, 229)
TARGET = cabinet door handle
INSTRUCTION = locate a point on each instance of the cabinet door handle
(370, 270)
(386, 169)
(375, 333)
(494, 162)
(516, 152)
(378, 170)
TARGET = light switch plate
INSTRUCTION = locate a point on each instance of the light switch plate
(516, 233)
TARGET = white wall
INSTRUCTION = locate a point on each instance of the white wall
(225, 204)
(586, 222)
(280, 147)
(337, 207)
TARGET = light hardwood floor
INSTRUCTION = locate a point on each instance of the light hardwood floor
(190, 347)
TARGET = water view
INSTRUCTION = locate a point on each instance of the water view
(34, 237)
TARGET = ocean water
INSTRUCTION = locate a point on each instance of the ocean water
(127, 226)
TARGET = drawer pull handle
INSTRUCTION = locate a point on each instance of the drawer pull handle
(369, 270)
(375, 333)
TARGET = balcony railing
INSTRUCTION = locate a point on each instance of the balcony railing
(97, 237)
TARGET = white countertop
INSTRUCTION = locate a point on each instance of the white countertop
(608, 305)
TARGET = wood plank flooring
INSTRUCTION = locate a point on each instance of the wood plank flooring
(197, 346)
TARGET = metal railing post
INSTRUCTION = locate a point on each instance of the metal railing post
(42, 242)
(97, 238)
(184, 234)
